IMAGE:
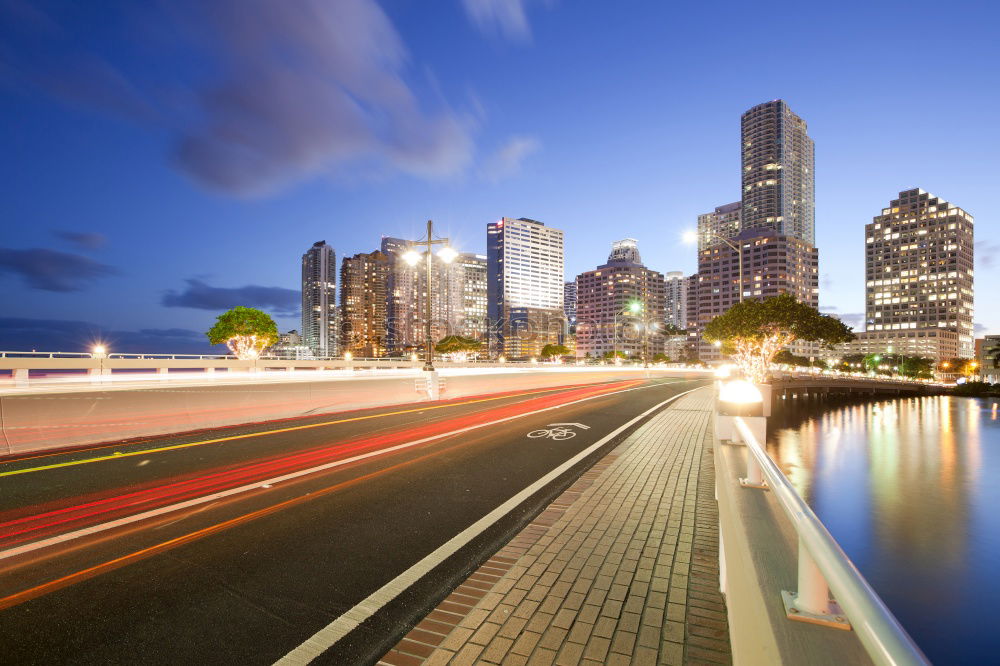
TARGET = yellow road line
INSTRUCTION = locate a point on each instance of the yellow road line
(173, 447)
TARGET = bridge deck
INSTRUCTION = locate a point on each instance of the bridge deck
(621, 568)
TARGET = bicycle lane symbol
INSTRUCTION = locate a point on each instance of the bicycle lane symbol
(558, 431)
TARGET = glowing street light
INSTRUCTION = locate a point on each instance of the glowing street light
(446, 254)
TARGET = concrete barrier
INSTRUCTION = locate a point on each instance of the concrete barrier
(45, 420)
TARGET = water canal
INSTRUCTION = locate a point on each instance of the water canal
(910, 488)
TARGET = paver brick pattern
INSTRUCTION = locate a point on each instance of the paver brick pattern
(622, 568)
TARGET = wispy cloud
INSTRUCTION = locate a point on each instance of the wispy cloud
(83, 240)
(283, 92)
(507, 161)
(508, 17)
(986, 253)
(201, 296)
(51, 270)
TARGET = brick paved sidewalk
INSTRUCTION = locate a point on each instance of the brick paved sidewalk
(622, 568)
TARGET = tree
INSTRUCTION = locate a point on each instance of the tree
(961, 366)
(661, 358)
(246, 331)
(457, 347)
(788, 358)
(755, 331)
(608, 355)
(549, 351)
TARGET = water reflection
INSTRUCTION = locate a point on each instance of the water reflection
(909, 487)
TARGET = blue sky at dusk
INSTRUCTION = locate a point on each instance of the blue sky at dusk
(163, 161)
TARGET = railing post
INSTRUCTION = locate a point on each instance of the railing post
(811, 602)
(757, 425)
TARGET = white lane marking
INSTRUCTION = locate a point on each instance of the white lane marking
(152, 513)
(577, 425)
(326, 637)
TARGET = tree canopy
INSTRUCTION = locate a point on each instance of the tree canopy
(550, 350)
(246, 331)
(608, 355)
(661, 358)
(755, 331)
(456, 344)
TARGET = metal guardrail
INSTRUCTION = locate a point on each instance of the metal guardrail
(823, 566)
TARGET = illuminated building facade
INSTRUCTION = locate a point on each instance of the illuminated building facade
(473, 277)
(772, 265)
(363, 318)
(319, 300)
(524, 286)
(675, 299)
(777, 172)
(605, 322)
(989, 359)
(723, 222)
(919, 279)
(569, 305)
(406, 298)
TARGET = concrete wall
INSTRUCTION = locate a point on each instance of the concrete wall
(43, 420)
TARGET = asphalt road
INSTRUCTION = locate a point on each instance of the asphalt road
(237, 545)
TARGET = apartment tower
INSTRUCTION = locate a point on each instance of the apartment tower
(919, 281)
(771, 234)
(777, 172)
(319, 300)
(606, 321)
(363, 319)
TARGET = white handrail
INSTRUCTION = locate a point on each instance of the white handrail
(880, 632)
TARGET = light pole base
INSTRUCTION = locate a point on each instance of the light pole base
(428, 367)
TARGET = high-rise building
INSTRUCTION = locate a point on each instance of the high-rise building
(772, 264)
(407, 295)
(525, 286)
(606, 321)
(569, 305)
(723, 222)
(989, 359)
(675, 299)
(363, 320)
(775, 221)
(473, 278)
(778, 176)
(319, 300)
(919, 282)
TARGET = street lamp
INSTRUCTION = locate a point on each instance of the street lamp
(692, 237)
(411, 257)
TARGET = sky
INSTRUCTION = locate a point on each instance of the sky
(166, 160)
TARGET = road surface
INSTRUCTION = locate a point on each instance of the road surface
(240, 545)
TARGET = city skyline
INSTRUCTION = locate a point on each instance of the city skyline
(76, 262)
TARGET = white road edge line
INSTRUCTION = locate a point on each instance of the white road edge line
(152, 513)
(326, 637)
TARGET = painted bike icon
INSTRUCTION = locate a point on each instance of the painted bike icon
(557, 431)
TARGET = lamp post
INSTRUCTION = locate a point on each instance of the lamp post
(445, 254)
